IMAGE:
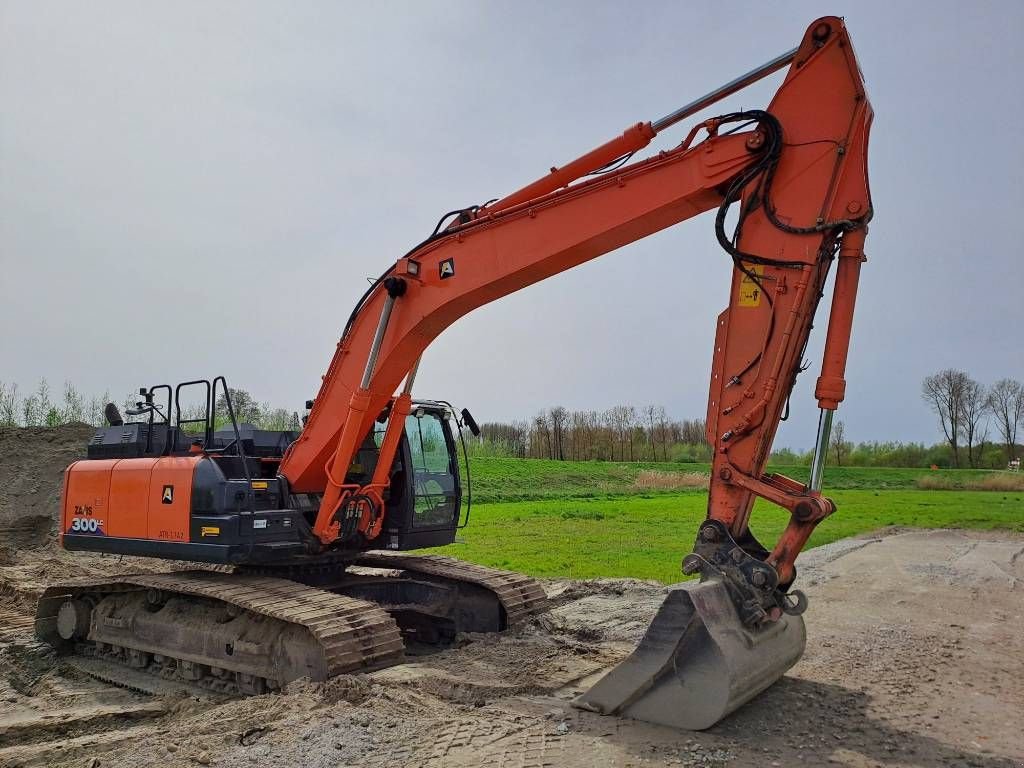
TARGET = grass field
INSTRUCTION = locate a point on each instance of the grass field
(499, 480)
(589, 519)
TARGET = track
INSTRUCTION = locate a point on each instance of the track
(520, 596)
(248, 633)
(249, 617)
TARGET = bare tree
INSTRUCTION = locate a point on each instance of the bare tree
(692, 431)
(973, 407)
(1006, 401)
(838, 442)
(629, 425)
(944, 392)
(542, 435)
(650, 412)
(662, 417)
(559, 417)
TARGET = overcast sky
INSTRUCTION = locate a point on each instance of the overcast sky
(192, 189)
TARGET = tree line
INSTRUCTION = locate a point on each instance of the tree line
(621, 433)
(628, 433)
(967, 412)
(44, 408)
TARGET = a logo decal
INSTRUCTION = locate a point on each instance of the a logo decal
(447, 268)
(168, 496)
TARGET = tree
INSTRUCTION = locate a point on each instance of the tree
(650, 413)
(558, 416)
(1006, 402)
(944, 393)
(275, 418)
(839, 446)
(8, 405)
(244, 405)
(74, 406)
(662, 418)
(542, 434)
(973, 407)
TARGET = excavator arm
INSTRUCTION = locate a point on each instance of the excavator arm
(796, 176)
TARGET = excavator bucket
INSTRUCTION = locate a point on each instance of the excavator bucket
(697, 662)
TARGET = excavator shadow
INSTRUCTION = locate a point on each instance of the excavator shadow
(817, 720)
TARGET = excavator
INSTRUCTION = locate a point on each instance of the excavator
(309, 531)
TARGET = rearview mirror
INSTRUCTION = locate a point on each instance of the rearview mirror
(469, 421)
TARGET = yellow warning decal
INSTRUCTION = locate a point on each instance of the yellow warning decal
(209, 531)
(259, 485)
(750, 292)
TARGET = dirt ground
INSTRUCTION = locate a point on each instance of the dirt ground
(915, 657)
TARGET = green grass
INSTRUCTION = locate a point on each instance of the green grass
(500, 480)
(586, 520)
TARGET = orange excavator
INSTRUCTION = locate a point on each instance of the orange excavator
(310, 528)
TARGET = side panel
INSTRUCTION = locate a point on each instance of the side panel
(129, 498)
(86, 507)
(170, 498)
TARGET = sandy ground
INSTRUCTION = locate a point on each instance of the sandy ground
(915, 657)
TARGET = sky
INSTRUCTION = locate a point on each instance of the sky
(200, 188)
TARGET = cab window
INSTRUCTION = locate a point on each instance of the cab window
(435, 491)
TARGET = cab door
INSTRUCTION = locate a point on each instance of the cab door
(426, 494)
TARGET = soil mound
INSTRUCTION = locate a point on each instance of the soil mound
(32, 464)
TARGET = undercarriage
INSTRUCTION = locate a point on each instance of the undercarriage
(256, 630)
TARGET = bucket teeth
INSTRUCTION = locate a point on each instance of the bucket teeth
(697, 662)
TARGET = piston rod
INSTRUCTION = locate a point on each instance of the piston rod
(411, 378)
(724, 90)
(378, 337)
(820, 449)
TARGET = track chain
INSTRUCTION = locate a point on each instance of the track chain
(520, 596)
(353, 634)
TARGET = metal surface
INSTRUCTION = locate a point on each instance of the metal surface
(725, 90)
(697, 662)
(820, 449)
(411, 378)
(249, 632)
(520, 596)
(378, 337)
(325, 634)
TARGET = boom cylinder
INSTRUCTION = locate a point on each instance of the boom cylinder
(378, 337)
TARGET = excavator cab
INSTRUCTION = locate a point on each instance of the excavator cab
(424, 505)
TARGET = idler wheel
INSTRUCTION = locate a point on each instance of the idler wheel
(73, 619)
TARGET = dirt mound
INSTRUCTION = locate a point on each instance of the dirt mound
(32, 464)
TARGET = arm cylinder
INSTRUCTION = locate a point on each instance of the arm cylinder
(831, 386)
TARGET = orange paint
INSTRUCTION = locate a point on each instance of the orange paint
(169, 520)
(125, 498)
